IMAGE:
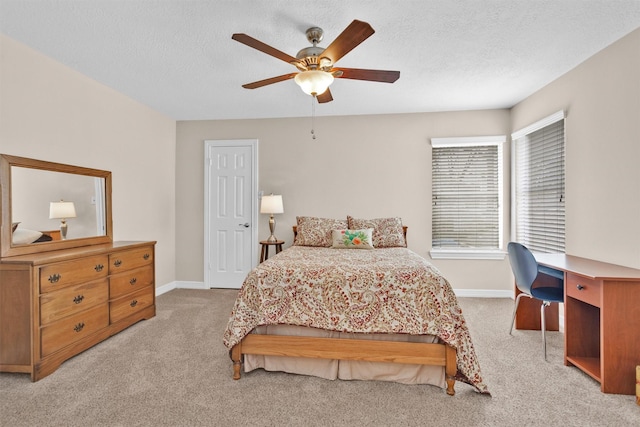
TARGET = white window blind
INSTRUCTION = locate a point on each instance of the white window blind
(466, 194)
(540, 186)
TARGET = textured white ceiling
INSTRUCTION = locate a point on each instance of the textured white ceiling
(177, 56)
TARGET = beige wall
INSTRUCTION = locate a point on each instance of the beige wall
(364, 166)
(602, 100)
(50, 112)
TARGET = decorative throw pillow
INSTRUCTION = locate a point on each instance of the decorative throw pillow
(314, 231)
(22, 236)
(353, 239)
(387, 232)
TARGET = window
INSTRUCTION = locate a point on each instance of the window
(467, 197)
(539, 185)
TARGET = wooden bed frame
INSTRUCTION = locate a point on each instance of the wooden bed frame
(435, 354)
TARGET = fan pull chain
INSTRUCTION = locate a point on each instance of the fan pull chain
(313, 116)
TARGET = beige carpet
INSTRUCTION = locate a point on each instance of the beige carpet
(174, 371)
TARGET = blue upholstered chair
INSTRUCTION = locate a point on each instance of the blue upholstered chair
(525, 269)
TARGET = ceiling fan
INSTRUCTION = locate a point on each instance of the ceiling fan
(316, 64)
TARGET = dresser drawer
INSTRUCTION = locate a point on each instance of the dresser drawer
(584, 289)
(133, 258)
(56, 276)
(132, 303)
(130, 281)
(70, 329)
(72, 300)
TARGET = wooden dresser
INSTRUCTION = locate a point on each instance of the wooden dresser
(56, 304)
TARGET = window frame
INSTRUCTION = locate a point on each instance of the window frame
(527, 130)
(474, 253)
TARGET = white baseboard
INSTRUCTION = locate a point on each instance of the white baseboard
(165, 288)
(179, 285)
(190, 285)
(483, 293)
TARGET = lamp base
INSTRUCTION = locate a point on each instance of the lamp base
(272, 229)
(63, 230)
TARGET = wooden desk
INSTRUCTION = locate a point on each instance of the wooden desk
(601, 319)
(264, 253)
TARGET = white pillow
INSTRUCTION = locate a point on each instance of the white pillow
(352, 239)
(22, 236)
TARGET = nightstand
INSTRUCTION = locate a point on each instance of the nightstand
(264, 253)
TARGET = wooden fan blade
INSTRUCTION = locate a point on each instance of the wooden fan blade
(352, 36)
(262, 47)
(325, 97)
(370, 75)
(272, 80)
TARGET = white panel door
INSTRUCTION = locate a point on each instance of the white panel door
(230, 212)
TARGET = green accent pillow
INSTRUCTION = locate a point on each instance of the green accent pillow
(352, 239)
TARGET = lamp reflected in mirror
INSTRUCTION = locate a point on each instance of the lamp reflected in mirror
(62, 210)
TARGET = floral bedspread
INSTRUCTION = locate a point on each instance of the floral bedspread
(391, 290)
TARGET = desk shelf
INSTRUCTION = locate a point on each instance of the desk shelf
(588, 365)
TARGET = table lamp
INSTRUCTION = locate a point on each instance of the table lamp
(62, 210)
(272, 205)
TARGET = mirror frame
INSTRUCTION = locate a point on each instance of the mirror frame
(7, 249)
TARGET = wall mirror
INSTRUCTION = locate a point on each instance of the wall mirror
(49, 206)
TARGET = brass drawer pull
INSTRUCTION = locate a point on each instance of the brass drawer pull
(78, 327)
(117, 263)
(579, 287)
(54, 278)
(146, 256)
(134, 303)
(99, 267)
(133, 281)
(78, 299)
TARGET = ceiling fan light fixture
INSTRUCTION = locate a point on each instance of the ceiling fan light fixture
(314, 82)
(315, 64)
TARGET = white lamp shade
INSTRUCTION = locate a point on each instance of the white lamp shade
(62, 210)
(314, 82)
(271, 204)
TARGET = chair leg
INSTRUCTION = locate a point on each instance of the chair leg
(515, 309)
(544, 327)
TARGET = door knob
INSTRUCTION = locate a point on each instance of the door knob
(245, 225)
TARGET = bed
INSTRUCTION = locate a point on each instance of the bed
(322, 307)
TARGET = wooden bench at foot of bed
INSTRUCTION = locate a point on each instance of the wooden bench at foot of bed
(348, 349)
